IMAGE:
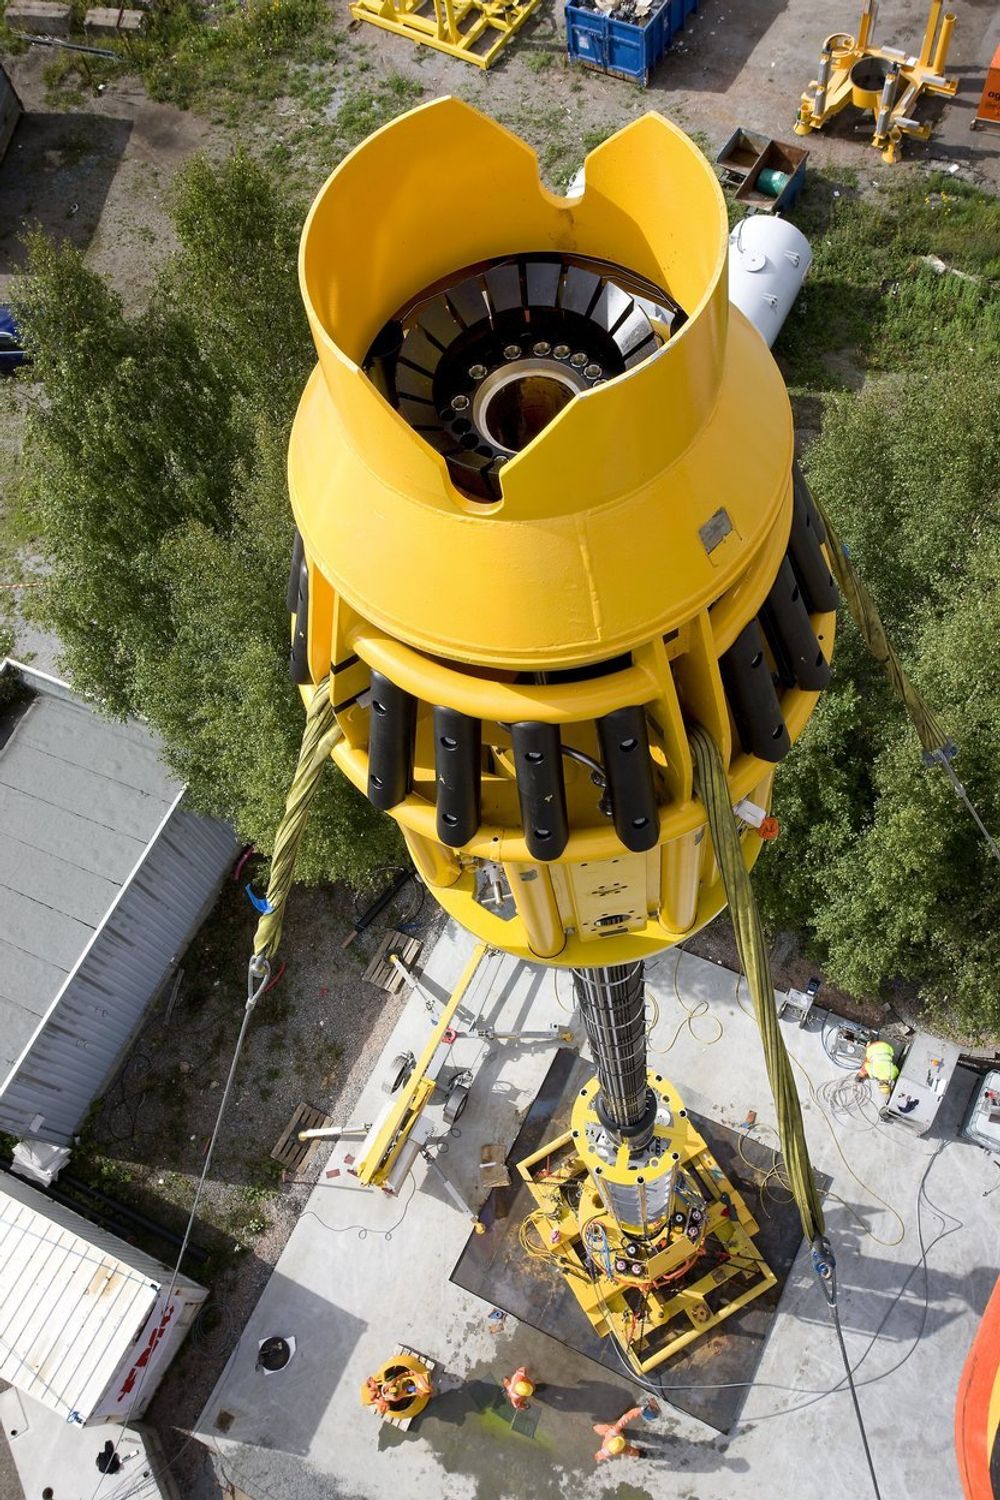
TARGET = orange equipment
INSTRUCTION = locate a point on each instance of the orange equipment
(399, 1389)
(977, 1411)
(988, 113)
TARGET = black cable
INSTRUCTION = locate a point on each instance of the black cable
(854, 1397)
(658, 1388)
(364, 1230)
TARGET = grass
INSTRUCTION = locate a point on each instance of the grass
(215, 61)
(870, 290)
(366, 108)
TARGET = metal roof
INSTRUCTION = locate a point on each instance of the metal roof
(81, 798)
(72, 1301)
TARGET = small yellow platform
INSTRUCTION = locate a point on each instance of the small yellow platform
(396, 1374)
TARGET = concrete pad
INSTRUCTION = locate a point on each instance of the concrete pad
(109, 21)
(58, 1458)
(38, 17)
(362, 1272)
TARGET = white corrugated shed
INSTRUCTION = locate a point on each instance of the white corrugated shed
(85, 1325)
(104, 877)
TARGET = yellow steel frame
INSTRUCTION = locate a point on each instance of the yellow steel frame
(443, 23)
(384, 1147)
(673, 1303)
(835, 88)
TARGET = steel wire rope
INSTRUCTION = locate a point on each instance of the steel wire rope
(363, 1231)
(659, 1388)
(257, 978)
(713, 788)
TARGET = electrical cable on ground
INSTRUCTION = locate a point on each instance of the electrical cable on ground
(815, 1096)
(661, 1389)
(692, 1013)
(363, 1230)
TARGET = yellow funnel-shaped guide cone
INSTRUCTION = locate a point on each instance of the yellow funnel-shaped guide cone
(542, 477)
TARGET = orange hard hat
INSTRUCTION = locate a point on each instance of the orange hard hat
(523, 1387)
(615, 1443)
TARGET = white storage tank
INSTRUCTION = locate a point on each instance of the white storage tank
(768, 261)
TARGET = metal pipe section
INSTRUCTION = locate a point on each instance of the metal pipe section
(819, 101)
(613, 1006)
(943, 43)
(886, 102)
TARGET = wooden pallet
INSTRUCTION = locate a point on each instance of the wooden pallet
(290, 1151)
(382, 971)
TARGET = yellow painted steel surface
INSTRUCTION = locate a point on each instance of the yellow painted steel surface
(474, 30)
(626, 547)
(686, 1273)
(385, 1144)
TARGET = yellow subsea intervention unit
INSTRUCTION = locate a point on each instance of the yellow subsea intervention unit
(474, 30)
(547, 520)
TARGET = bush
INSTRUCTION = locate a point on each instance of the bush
(154, 466)
(879, 862)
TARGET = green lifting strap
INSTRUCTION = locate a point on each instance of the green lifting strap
(713, 789)
(320, 735)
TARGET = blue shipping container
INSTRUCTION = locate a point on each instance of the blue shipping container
(623, 47)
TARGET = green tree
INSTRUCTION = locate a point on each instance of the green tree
(154, 471)
(878, 861)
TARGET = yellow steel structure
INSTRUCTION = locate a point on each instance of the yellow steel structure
(657, 1250)
(637, 520)
(475, 30)
(547, 520)
(394, 1382)
(884, 80)
(389, 1135)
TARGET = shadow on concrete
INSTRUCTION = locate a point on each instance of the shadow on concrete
(282, 1410)
(56, 176)
(473, 1431)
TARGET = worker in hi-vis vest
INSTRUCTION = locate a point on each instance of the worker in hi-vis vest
(880, 1064)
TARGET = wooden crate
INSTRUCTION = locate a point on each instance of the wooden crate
(382, 971)
(290, 1151)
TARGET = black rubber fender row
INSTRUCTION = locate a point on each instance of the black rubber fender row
(538, 767)
(804, 586)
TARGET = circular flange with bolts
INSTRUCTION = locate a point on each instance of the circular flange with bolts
(481, 364)
(635, 1185)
